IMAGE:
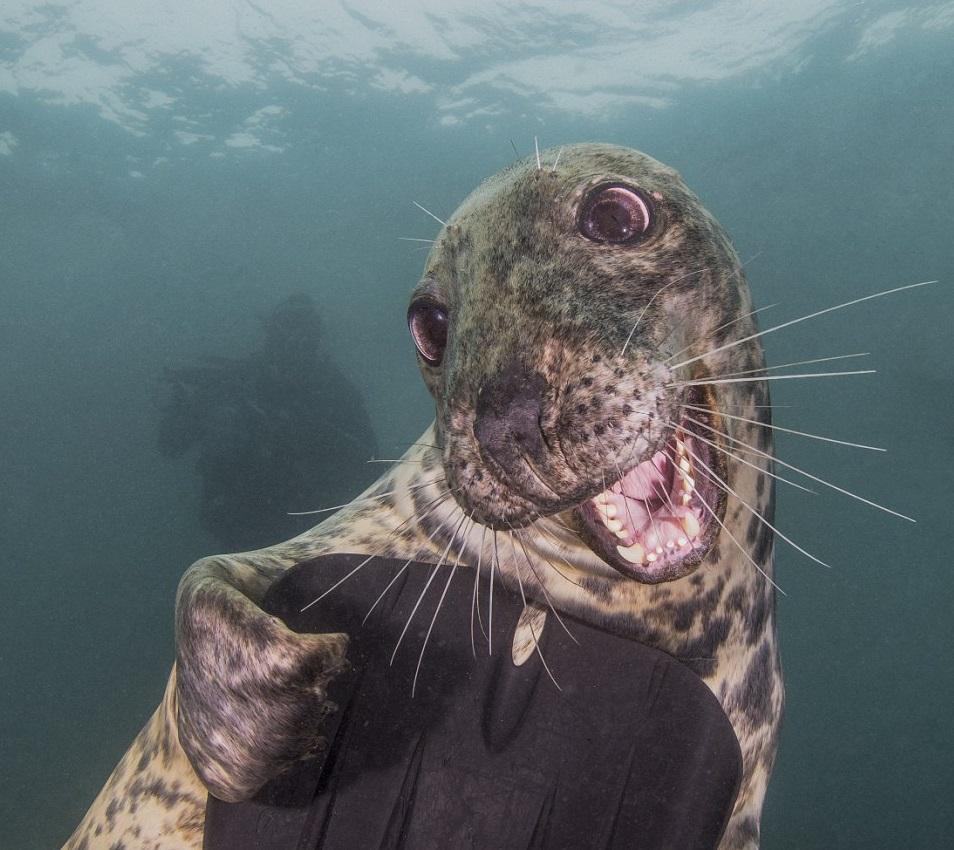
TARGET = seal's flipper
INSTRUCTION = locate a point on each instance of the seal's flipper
(633, 751)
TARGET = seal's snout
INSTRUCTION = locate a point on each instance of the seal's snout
(508, 416)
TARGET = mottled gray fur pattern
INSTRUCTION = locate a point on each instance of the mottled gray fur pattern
(521, 286)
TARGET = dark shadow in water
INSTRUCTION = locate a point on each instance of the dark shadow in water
(279, 430)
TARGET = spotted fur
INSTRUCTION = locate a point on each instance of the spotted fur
(521, 286)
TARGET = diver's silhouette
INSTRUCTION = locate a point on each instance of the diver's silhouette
(279, 430)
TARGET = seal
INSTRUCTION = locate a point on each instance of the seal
(572, 323)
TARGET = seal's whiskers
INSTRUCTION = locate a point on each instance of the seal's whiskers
(427, 584)
(366, 499)
(424, 209)
(440, 602)
(724, 326)
(791, 322)
(495, 564)
(523, 597)
(738, 545)
(542, 586)
(719, 380)
(759, 469)
(712, 476)
(748, 448)
(404, 568)
(661, 289)
(795, 363)
(432, 505)
(474, 602)
(789, 430)
(553, 566)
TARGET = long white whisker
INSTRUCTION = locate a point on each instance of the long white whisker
(369, 558)
(794, 363)
(423, 592)
(403, 569)
(661, 289)
(791, 322)
(437, 610)
(789, 430)
(719, 482)
(619, 472)
(424, 209)
(429, 508)
(339, 582)
(474, 602)
(757, 468)
(415, 239)
(662, 491)
(490, 616)
(803, 472)
(702, 383)
(556, 162)
(723, 327)
(542, 587)
(536, 148)
(523, 596)
(739, 546)
(365, 499)
(553, 566)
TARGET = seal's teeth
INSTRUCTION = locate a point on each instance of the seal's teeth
(602, 499)
(622, 534)
(651, 557)
(607, 511)
(686, 498)
(684, 465)
(682, 541)
(634, 554)
(614, 525)
(690, 524)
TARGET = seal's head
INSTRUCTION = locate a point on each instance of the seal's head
(554, 310)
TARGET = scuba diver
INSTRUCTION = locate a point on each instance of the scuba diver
(268, 431)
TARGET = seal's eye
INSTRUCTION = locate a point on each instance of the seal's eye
(615, 213)
(428, 324)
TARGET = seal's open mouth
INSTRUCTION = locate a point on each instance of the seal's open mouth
(658, 521)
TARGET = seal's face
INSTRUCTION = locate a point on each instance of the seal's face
(553, 309)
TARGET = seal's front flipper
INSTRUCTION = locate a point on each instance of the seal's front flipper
(251, 694)
(634, 751)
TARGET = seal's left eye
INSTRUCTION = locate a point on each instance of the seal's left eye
(428, 325)
(616, 214)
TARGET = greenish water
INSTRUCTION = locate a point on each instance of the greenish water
(165, 183)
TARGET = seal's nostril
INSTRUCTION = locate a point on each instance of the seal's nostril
(508, 415)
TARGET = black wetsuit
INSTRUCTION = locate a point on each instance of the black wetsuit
(633, 750)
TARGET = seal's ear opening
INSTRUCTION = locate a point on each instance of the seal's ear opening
(634, 751)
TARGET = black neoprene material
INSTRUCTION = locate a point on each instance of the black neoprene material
(633, 752)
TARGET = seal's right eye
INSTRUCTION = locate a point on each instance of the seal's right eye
(616, 214)
(428, 325)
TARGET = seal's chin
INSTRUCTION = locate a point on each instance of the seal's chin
(658, 521)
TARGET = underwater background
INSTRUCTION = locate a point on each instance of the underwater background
(172, 174)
